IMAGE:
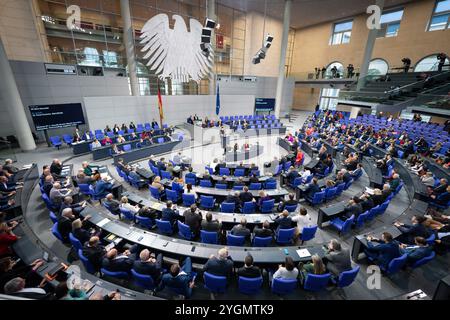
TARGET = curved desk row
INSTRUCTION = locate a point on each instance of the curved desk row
(199, 252)
(145, 152)
(30, 248)
(84, 145)
(225, 218)
(232, 179)
(105, 151)
(223, 193)
(249, 133)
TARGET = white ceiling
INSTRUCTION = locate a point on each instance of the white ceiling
(306, 13)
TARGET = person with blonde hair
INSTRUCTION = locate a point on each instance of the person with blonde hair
(124, 204)
(220, 265)
(316, 266)
(157, 183)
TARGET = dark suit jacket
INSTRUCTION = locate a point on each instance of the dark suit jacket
(311, 190)
(245, 196)
(262, 233)
(284, 222)
(193, 220)
(239, 230)
(409, 232)
(385, 252)
(148, 268)
(120, 263)
(219, 267)
(94, 255)
(249, 272)
(169, 215)
(212, 226)
(82, 235)
(64, 227)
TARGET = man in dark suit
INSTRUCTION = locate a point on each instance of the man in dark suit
(312, 189)
(149, 265)
(65, 223)
(263, 232)
(409, 232)
(115, 262)
(290, 202)
(113, 204)
(337, 259)
(353, 208)
(221, 164)
(56, 168)
(161, 165)
(94, 252)
(253, 179)
(241, 229)
(169, 214)
(418, 251)
(6, 187)
(383, 252)
(76, 207)
(154, 124)
(441, 188)
(193, 219)
(48, 184)
(245, 196)
(283, 220)
(222, 265)
(234, 198)
(180, 278)
(211, 225)
(292, 174)
(249, 270)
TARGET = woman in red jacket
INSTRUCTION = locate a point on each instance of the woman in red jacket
(7, 238)
(299, 158)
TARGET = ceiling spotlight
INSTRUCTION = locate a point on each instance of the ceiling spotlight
(210, 24)
(268, 41)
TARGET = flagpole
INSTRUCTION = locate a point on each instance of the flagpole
(160, 106)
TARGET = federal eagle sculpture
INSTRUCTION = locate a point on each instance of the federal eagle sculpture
(175, 53)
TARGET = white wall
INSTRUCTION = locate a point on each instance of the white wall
(101, 111)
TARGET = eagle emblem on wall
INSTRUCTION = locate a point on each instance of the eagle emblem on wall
(175, 53)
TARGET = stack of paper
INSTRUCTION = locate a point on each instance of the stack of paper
(303, 253)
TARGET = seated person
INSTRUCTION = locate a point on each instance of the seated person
(241, 229)
(366, 202)
(96, 144)
(384, 251)
(180, 278)
(303, 219)
(249, 270)
(115, 262)
(395, 182)
(65, 223)
(157, 184)
(377, 197)
(283, 220)
(210, 225)
(245, 196)
(239, 182)
(410, 232)
(353, 208)
(113, 204)
(126, 168)
(169, 214)
(57, 194)
(253, 178)
(10, 269)
(193, 219)
(220, 265)
(428, 179)
(7, 239)
(263, 196)
(290, 202)
(316, 266)
(94, 251)
(81, 178)
(337, 259)
(356, 172)
(124, 204)
(442, 199)
(103, 186)
(442, 242)
(263, 232)
(312, 189)
(233, 197)
(80, 232)
(76, 207)
(292, 174)
(288, 271)
(149, 265)
(415, 252)
(18, 287)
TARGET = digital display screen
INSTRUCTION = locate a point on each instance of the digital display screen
(54, 116)
(264, 105)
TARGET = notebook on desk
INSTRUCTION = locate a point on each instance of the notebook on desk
(303, 253)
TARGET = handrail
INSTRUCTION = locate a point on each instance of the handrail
(417, 82)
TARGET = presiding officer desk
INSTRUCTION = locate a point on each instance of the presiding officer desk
(223, 193)
(199, 252)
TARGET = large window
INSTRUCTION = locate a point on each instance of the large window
(328, 99)
(390, 24)
(441, 14)
(342, 32)
(334, 70)
(429, 63)
(378, 67)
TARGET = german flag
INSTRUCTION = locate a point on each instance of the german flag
(160, 107)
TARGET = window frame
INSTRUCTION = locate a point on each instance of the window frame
(384, 26)
(341, 33)
(434, 15)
